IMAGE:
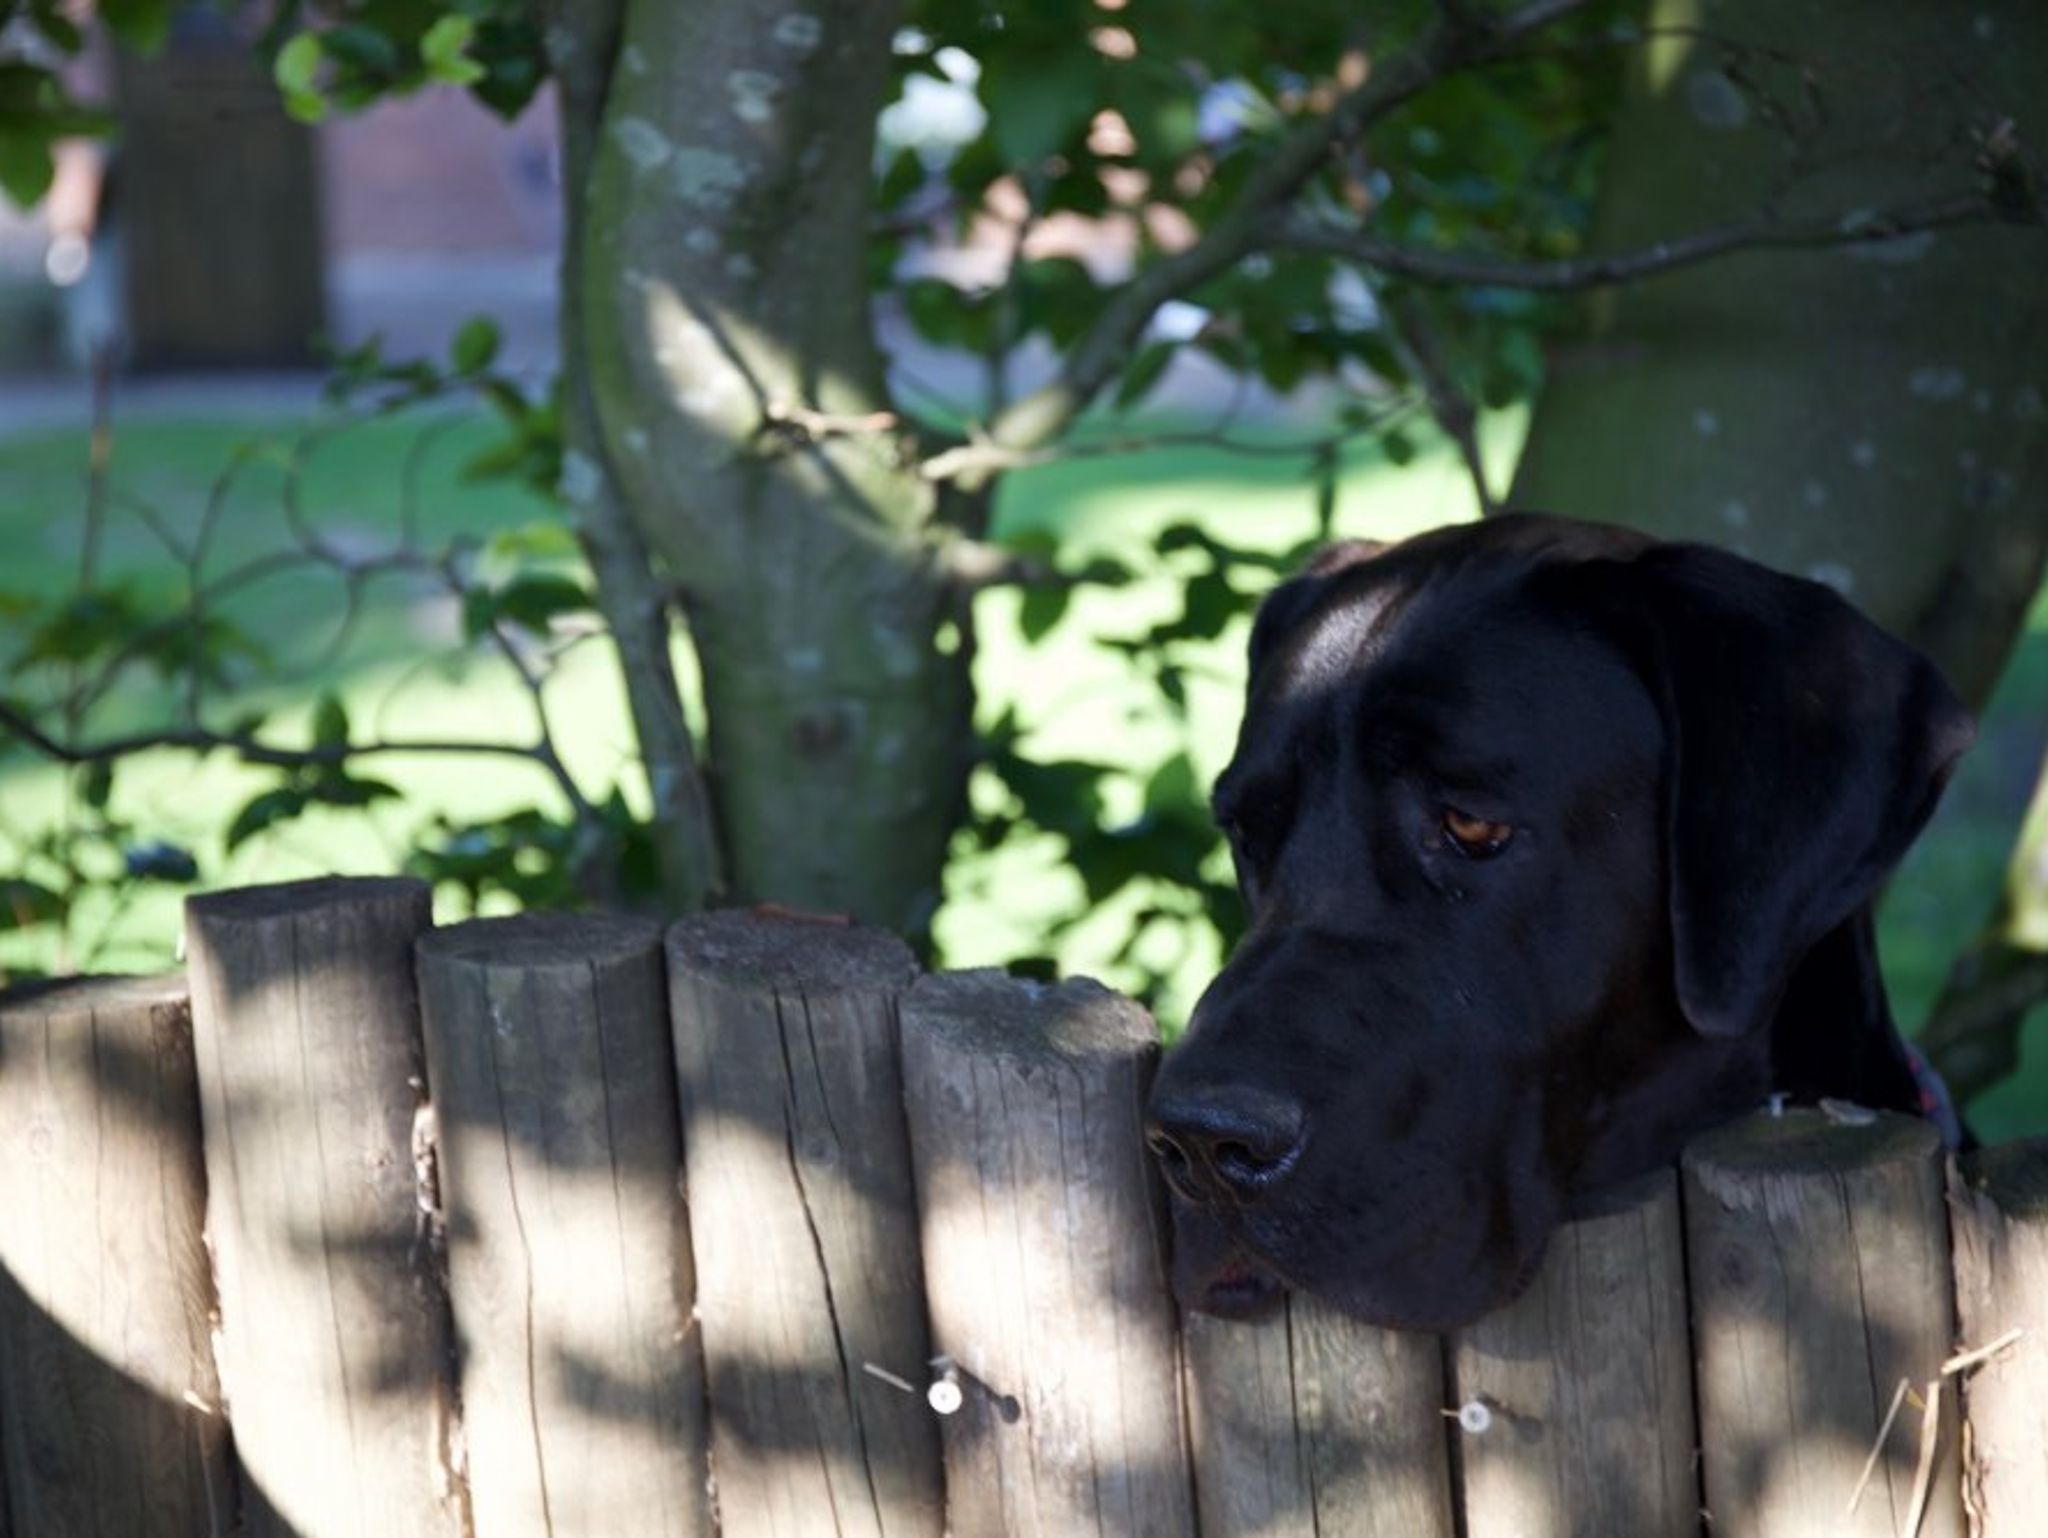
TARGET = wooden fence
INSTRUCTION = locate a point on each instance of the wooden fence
(385, 1233)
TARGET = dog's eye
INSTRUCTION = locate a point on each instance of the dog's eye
(1475, 836)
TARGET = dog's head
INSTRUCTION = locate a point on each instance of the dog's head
(1534, 820)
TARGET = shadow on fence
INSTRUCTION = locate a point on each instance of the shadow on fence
(452, 1279)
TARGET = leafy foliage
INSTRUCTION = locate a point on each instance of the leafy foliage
(1149, 118)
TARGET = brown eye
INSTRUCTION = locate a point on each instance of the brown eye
(1475, 836)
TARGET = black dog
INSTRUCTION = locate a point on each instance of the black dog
(1558, 844)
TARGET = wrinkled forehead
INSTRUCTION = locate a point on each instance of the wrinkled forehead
(1477, 682)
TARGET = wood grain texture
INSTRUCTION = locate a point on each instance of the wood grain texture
(110, 1423)
(1312, 1423)
(1999, 1202)
(1045, 1257)
(334, 1350)
(1817, 1262)
(804, 1227)
(560, 1166)
(1588, 1380)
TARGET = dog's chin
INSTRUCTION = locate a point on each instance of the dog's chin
(1239, 1289)
(1450, 1303)
(1216, 1273)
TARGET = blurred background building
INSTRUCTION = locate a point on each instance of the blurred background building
(215, 233)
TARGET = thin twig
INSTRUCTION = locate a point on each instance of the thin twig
(1923, 1473)
(248, 748)
(1448, 403)
(984, 455)
(1963, 1361)
(1572, 274)
(1877, 1446)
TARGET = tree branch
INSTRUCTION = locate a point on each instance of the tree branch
(1412, 333)
(200, 740)
(585, 40)
(981, 457)
(1102, 350)
(1572, 274)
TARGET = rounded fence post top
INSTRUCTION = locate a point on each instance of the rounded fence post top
(293, 899)
(76, 995)
(988, 1011)
(533, 941)
(1801, 1141)
(741, 946)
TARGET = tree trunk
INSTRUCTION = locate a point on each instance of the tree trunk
(1872, 416)
(744, 414)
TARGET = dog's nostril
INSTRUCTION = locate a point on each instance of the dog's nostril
(1229, 1143)
(1240, 1159)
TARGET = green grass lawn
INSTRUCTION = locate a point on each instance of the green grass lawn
(405, 671)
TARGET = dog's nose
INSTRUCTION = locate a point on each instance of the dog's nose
(1225, 1142)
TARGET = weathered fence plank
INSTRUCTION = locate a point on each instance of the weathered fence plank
(1045, 1257)
(334, 1349)
(110, 1420)
(802, 1218)
(1313, 1423)
(569, 1269)
(1999, 1203)
(1817, 1262)
(1586, 1385)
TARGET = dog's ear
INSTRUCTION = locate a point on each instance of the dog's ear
(1290, 603)
(1804, 750)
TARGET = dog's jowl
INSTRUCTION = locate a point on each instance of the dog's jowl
(1558, 845)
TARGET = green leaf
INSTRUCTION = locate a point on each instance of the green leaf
(1038, 104)
(88, 624)
(298, 63)
(96, 784)
(534, 601)
(1145, 372)
(26, 168)
(1042, 608)
(364, 49)
(479, 611)
(296, 72)
(444, 51)
(904, 176)
(141, 24)
(263, 811)
(543, 539)
(476, 345)
(160, 861)
(1399, 448)
(1105, 571)
(1172, 789)
(330, 722)
(50, 20)
(24, 903)
(342, 789)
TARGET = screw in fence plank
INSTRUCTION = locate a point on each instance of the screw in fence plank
(804, 1226)
(560, 1161)
(110, 1421)
(1998, 1200)
(1818, 1268)
(1311, 1422)
(334, 1347)
(1045, 1257)
(1587, 1381)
